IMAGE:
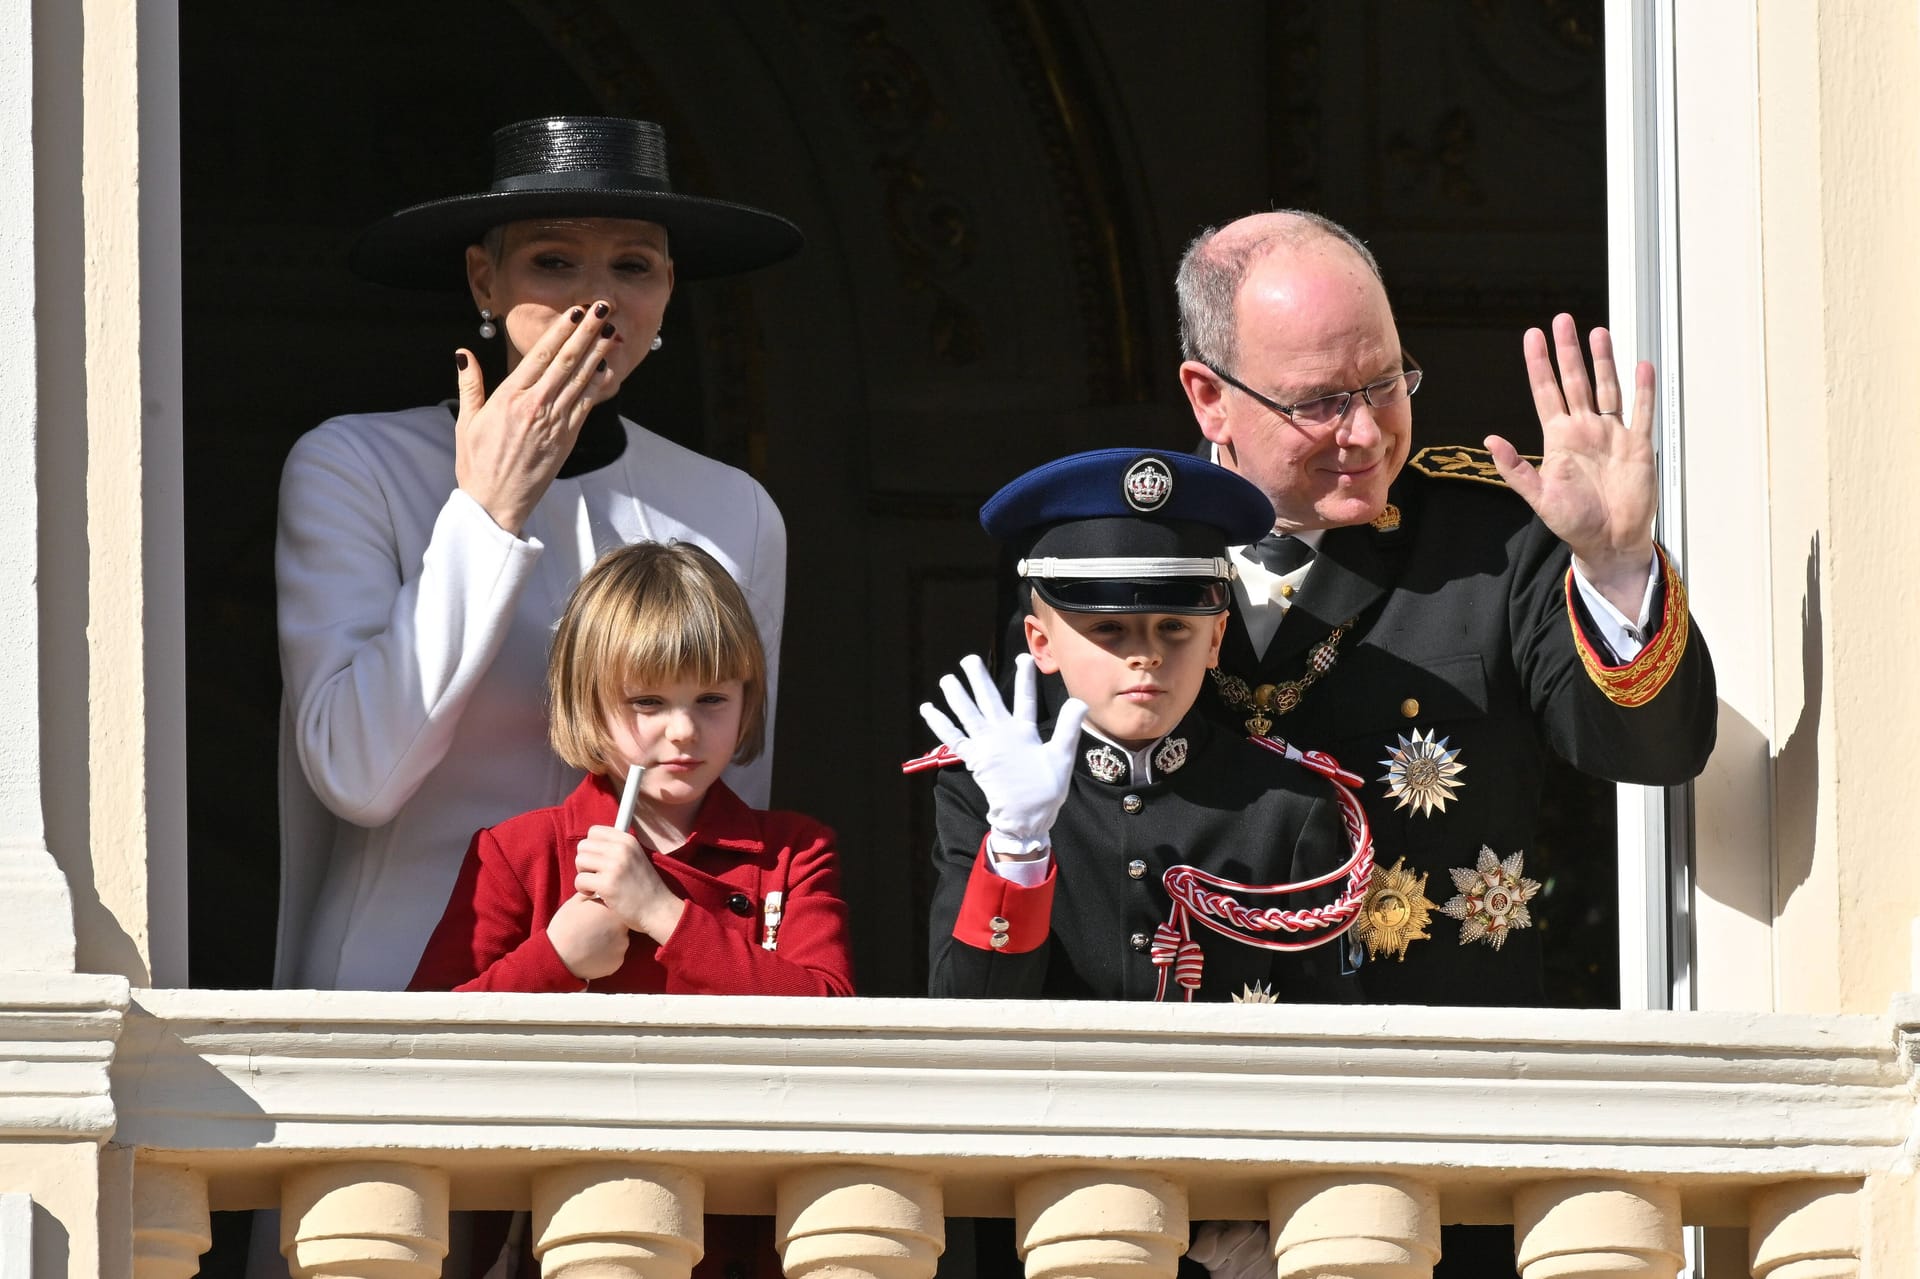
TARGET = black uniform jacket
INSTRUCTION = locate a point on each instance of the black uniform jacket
(1462, 631)
(1231, 808)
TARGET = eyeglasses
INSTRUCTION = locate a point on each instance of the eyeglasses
(1328, 409)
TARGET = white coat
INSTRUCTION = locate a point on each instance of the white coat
(413, 647)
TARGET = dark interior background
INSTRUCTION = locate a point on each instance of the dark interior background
(995, 194)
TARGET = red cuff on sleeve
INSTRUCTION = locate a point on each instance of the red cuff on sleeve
(1000, 915)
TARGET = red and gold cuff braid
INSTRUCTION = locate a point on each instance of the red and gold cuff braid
(1179, 955)
(1638, 682)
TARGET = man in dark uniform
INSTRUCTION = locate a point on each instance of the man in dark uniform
(1441, 623)
(1084, 859)
(1438, 622)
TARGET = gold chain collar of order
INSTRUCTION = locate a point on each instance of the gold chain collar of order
(1269, 700)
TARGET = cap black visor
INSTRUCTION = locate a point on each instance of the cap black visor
(1125, 595)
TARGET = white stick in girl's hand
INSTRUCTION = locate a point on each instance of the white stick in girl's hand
(628, 798)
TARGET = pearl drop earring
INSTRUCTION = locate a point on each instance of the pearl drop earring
(487, 327)
(657, 343)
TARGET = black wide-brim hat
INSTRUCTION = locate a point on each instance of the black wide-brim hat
(579, 167)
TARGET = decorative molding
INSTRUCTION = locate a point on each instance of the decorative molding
(1475, 1099)
(57, 1037)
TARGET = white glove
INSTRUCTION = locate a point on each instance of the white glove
(1024, 779)
(1233, 1249)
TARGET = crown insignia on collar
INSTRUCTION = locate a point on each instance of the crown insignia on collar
(1106, 764)
(1147, 484)
(1171, 756)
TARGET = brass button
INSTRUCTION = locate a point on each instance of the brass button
(1286, 590)
(998, 941)
(1410, 707)
(1136, 869)
(1132, 804)
(998, 924)
(1139, 941)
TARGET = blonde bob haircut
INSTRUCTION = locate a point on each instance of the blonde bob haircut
(648, 614)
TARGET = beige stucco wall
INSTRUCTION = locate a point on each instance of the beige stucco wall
(64, 1179)
(112, 684)
(1840, 182)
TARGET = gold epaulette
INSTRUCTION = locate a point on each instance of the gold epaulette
(1639, 681)
(1458, 462)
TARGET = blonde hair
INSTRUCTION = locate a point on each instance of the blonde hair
(646, 614)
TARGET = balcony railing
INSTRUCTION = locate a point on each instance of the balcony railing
(1102, 1129)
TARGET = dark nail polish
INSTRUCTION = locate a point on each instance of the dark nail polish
(606, 330)
(460, 358)
(600, 309)
(578, 315)
(602, 368)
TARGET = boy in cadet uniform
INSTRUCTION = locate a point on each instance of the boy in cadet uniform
(1078, 858)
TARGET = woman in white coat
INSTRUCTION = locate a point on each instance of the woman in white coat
(424, 555)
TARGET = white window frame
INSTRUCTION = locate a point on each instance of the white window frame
(1643, 296)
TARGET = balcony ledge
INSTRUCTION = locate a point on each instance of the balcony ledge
(247, 1084)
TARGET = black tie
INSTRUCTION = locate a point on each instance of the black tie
(1281, 553)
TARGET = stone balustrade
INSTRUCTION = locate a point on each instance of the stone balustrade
(1103, 1131)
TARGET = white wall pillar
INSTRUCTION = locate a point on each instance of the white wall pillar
(39, 934)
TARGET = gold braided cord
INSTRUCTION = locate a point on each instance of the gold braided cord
(1639, 681)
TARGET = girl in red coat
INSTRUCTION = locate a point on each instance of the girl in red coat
(655, 663)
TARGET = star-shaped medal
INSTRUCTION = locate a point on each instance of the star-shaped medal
(1395, 912)
(1492, 901)
(1422, 772)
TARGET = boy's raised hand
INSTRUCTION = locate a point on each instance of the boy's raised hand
(1024, 779)
(590, 939)
(611, 866)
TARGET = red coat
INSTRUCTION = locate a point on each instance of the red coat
(493, 934)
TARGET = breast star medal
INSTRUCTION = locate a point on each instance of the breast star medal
(1421, 773)
(1492, 901)
(1395, 912)
(1255, 994)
